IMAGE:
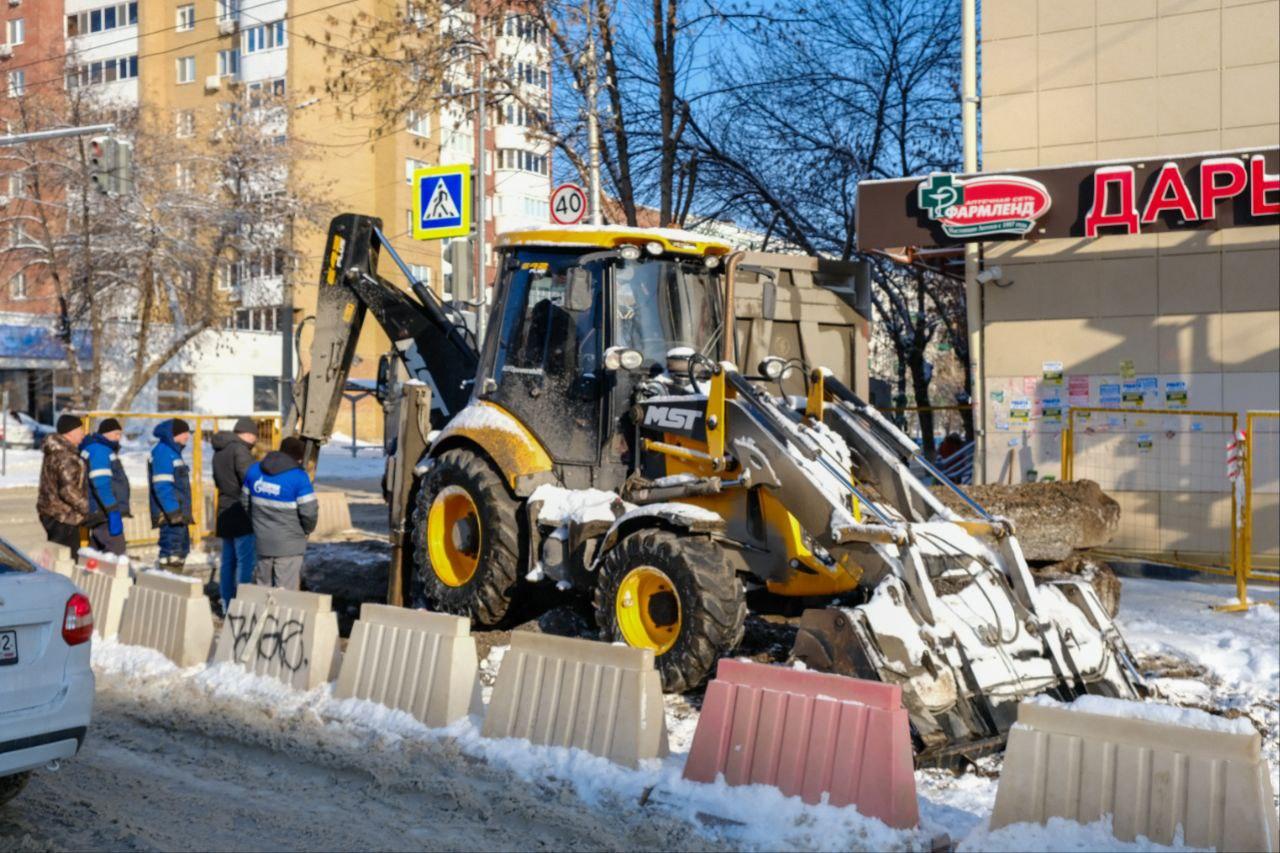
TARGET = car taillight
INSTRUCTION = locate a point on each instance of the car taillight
(77, 622)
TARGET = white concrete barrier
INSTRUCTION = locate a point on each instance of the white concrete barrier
(560, 691)
(335, 514)
(1161, 772)
(171, 614)
(105, 580)
(422, 663)
(292, 636)
(55, 558)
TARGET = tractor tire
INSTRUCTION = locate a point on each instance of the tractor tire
(675, 594)
(467, 538)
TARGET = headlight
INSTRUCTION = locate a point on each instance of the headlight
(631, 359)
(653, 247)
(712, 261)
(630, 251)
(771, 368)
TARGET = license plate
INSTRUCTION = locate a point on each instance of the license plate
(8, 647)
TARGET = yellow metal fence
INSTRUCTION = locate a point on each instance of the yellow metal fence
(1169, 470)
(138, 530)
(1260, 513)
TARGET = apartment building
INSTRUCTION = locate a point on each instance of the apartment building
(182, 61)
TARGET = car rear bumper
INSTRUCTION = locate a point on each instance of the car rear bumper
(35, 751)
(35, 737)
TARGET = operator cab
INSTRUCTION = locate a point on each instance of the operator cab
(582, 315)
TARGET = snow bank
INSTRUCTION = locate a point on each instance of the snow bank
(1152, 712)
(1057, 834)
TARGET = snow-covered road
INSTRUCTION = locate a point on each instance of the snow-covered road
(213, 758)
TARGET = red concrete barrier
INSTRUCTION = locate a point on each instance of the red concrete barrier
(809, 734)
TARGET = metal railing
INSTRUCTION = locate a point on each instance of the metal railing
(139, 532)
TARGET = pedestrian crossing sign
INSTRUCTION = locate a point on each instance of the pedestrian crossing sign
(442, 202)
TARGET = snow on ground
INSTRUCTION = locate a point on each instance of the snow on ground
(1169, 625)
(337, 463)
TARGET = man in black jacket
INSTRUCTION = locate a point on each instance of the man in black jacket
(231, 462)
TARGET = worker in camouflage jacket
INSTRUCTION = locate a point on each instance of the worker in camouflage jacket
(108, 490)
(281, 503)
(61, 502)
(170, 482)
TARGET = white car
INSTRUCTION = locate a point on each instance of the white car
(46, 685)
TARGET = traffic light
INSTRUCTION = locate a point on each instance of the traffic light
(110, 165)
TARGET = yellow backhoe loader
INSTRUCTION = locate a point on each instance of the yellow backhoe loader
(605, 439)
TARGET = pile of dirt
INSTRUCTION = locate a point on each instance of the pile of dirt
(1081, 567)
(1051, 519)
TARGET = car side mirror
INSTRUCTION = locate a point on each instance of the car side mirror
(578, 290)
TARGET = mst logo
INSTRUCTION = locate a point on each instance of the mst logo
(990, 204)
(669, 418)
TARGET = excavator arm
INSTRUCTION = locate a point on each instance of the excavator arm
(430, 339)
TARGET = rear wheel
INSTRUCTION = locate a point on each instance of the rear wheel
(466, 538)
(676, 595)
(11, 786)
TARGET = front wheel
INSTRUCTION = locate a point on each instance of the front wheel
(466, 538)
(675, 594)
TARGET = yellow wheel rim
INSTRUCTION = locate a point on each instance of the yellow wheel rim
(648, 610)
(453, 536)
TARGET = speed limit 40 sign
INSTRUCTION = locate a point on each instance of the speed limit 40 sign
(568, 204)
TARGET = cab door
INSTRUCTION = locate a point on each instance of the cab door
(547, 365)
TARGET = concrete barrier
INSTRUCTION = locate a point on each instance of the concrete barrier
(818, 736)
(105, 580)
(56, 558)
(292, 636)
(558, 691)
(1156, 770)
(171, 614)
(422, 663)
(335, 514)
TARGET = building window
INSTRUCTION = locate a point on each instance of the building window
(19, 184)
(17, 235)
(18, 286)
(229, 277)
(408, 222)
(17, 31)
(228, 63)
(173, 392)
(264, 37)
(266, 394)
(228, 9)
(186, 69)
(105, 71)
(421, 272)
(184, 176)
(419, 123)
(17, 84)
(98, 20)
(186, 18)
(185, 124)
(410, 166)
(525, 161)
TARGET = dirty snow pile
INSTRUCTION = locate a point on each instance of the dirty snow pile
(1169, 624)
